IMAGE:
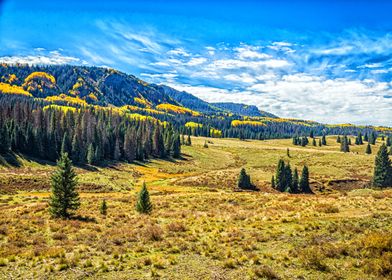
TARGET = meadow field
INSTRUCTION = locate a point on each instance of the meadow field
(200, 226)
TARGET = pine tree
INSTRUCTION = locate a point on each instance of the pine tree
(64, 196)
(280, 176)
(103, 208)
(288, 178)
(143, 204)
(324, 140)
(382, 169)
(158, 145)
(368, 149)
(273, 182)
(344, 145)
(389, 141)
(304, 181)
(4, 140)
(117, 150)
(75, 148)
(294, 188)
(66, 146)
(90, 154)
(176, 146)
(366, 138)
(97, 154)
(244, 180)
(188, 140)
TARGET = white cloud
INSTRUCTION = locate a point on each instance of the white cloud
(335, 51)
(52, 57)
(248, 52)
(194, 61)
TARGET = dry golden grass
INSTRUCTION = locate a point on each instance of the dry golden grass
(200, 228)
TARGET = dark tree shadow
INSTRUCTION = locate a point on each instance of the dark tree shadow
(83, 219)
(10, 159)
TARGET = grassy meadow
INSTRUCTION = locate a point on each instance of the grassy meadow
(200, 227)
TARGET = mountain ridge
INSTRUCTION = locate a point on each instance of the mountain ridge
(102, 86)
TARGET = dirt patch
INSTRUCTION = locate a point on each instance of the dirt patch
(12, 184)
(347, 184)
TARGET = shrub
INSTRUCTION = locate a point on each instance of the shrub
(153, 233)
(266, 272)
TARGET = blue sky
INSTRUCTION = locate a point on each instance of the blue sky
(329, 61)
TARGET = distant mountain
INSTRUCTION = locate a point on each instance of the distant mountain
(68, 86)
(104, 87)
(188, 100)
(243, 109)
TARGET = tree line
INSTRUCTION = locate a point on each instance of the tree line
(88, 135)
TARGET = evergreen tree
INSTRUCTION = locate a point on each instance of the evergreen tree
(273, 182)
(280, 176)
(75, 148)
(368, 149)
(389, 141)
(97, 154)
(4, 140)
(324, 140)
(188, 140)
(176, 146)
(103, 208)
(366, 137)
(244, 180)
(344, 145)
(288, 178)
(158, 145)
(304, 181)
(304, 141)
(143, 204)
(294, 188)
(90, 154)
(130, 147)
(64, 197)
(117, 150)
(66, 145)
(359, 140)
(382, 168)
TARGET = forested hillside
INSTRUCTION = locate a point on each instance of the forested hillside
(90, 88)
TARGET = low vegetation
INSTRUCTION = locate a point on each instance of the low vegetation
(199, 227)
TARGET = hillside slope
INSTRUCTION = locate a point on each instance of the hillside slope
(99, 86)
(77, 86)
(243, 109)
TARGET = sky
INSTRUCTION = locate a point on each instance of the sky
(328, 61)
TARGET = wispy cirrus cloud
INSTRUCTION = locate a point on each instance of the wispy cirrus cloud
(40, 56)
(343, 78)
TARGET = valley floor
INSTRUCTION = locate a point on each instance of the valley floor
(200, 227)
